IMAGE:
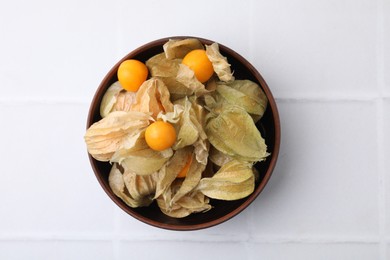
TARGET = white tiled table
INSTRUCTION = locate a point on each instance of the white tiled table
(327, 63)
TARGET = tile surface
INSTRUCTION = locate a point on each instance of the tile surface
(192, 20)
(189, 250)
(385, 29)
(386, 169)
(326, 180)
(326, 62)
(48, 185)
(42, 250)
(58, 50)
(314, 251)
(330, 44)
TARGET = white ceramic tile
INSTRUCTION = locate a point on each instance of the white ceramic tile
(61, 49)
(386, 162)
(387, 253)
(227, 22)
(182, 249)
(326, 180)
(386, 43)
(247, 250)
(47, 183)
(388, 250)
(347, 251)
(45, 250)
(316, 48)
(322, 200)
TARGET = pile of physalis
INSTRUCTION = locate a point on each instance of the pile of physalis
(180, 129)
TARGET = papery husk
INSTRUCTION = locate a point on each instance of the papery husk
(246, 94)
(198, 112)
(160, 66)
(134, 143)
(210, 101)
(143, 161)
(190, 203)
(215, 121)
(187, 77)
(187, 128)
(140, 187)
(172, 117)
(202, 145)
(220, 63)
(177, 89)
(109, 98)
(191, 180)
(118, 187)
(234, 133)
(152, 97)
(174, 49)
(108, 135)
(124, 101)
(166, 70)
(218, 157)
(211, 84)
(201, 150)
(215, 103)
(171, 169)
(116, 99)
(234, 180)
(190, 128)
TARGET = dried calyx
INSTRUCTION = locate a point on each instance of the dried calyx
(215, 126)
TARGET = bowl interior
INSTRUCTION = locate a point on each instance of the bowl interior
(269, 126)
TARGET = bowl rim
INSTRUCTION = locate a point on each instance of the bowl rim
(274, 155)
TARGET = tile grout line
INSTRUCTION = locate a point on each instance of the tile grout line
(251, 220)
(314, 239)
(381, 178)
(380, 127)
(116, 216)
(251, 31)
(303, 98)
(45, 101)
(339, 98)
(115, 237)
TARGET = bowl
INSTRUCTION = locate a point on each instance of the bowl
(222, 211)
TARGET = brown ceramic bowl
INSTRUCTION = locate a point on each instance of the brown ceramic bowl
(269, 126)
